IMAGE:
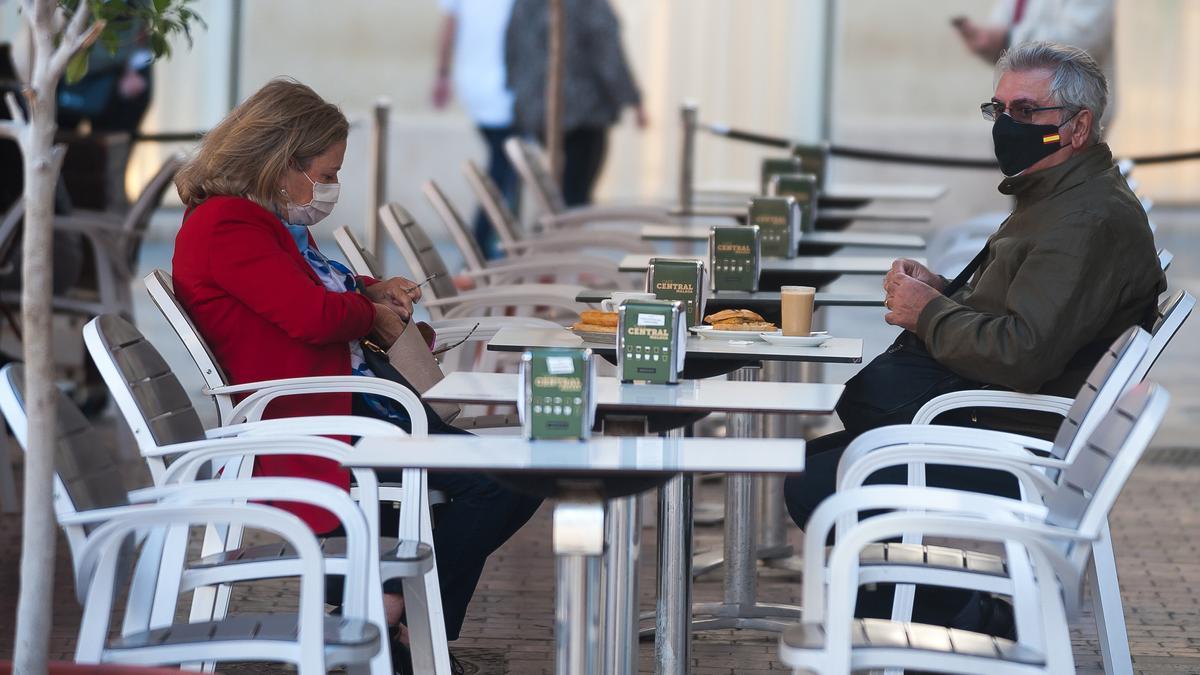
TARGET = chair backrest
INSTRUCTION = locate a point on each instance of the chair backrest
(505, 222)
(149, 396)
(137, 221)
(419, 252)
(1110, 378)
(162, 293)
(1171, 315)
(1088, 488)
(530, 161)
(1165, 258)
(362, 262)
(88, 471)
(459, 230)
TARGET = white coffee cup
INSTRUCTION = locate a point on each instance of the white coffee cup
(611, 303)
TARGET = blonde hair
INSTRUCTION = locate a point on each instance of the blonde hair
(247, 154)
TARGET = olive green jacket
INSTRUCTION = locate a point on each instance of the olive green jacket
(1066, 273)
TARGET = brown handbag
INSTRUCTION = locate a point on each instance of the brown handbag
(409, 357)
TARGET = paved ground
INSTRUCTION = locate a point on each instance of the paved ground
(1156, 528)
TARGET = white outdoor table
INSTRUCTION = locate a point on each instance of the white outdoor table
(836, 350)
(740, 607)
(687, 396)
(756, 300)
(837, 264)
(579, 523)
(739, 212)
(819, 237)
(857, 192)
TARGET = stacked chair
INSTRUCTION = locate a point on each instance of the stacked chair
(159, 413)
(566, 266)
(1047, 549)
(103, 508)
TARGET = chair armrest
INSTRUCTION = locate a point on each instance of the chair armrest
(561, 296)
(576, 241)
(935, 434)
(334, 425)
(985, 398)
(1034, 483)
(556, 265)
(264, 392)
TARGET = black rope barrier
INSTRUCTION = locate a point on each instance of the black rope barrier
(169, 137)
(907, 158)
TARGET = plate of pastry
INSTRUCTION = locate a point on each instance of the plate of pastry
(734, 325)
(597, 326)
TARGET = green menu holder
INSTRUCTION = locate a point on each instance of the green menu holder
(675, 279)
(733, 257)
(773, 166)
(557, 398)
(803, 188)
(651, 341)
(778, 220)
(815, 160)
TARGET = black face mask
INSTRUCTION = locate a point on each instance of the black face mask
(1020, 146)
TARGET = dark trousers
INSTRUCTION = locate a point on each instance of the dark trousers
(584, 150)
(502, 173)
(478, 518)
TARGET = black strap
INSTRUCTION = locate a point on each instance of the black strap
(965, 275)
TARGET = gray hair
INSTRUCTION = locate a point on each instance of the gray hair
(1076, 82)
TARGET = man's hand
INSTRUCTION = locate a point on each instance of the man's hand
(397, 293)
(387, 326)
(906, 299)
(914, 269)
(986, 41)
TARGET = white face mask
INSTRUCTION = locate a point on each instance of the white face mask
(325, 196)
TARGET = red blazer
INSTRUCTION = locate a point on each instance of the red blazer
(266, 315)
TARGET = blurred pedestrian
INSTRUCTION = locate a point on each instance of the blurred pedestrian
(596, 84)
(471, 48)
(1086, 24)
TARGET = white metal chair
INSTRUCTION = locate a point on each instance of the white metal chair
(91, 492)
(163, 421)
(1126, 363)
(446, 302)
(471, 328)
(529, 159)
(115, 241)
(1047, 547)
(530, 267)
(510, 233)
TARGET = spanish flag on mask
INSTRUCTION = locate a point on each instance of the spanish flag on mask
(1051, 138)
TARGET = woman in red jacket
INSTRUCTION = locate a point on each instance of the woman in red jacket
(271, 305)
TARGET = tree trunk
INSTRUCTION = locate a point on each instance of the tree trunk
(35, 601)
(554, 90)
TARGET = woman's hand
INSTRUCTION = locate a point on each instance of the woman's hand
(397, 293)
(387, 326)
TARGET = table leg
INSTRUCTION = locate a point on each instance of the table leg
(673, 614)
(578, 544)
(623, 534)
(740, 607)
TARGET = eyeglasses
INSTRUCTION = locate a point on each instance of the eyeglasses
(1021, 113)
(442, 350)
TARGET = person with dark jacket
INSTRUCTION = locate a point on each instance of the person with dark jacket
(1069, 270)
(596, 84)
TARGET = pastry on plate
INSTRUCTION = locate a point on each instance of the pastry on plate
(739, 319)
(592, 321)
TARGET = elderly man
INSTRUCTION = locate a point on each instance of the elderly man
(1071, 268)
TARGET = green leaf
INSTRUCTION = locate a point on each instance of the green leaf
(77, 67)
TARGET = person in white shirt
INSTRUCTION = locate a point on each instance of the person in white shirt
(1086, 24)
(472, 49)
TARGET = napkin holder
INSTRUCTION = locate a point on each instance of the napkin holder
(778, 221)
(651, 341)
(803, 188)
(558, 394)
(733, 257)
(678, 279)
(773, 166)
